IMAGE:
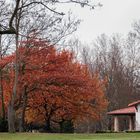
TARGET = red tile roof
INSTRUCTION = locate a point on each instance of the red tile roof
(123, 111)
(134, 103)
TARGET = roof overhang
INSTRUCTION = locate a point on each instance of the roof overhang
(134, 103)
(124, 111)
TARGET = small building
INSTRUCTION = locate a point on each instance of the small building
(133, 111)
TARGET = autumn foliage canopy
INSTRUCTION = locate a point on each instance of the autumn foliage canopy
(52, 85)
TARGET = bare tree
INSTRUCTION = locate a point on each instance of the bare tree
(117, 60)
(26, 5)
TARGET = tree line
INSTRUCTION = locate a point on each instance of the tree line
(117, 59)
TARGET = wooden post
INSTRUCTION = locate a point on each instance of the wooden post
(130, 123)
(116, 124)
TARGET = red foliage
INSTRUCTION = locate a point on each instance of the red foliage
(57, 86)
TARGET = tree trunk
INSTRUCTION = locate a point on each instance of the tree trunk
(23, 109)
(2, 97)
(48, 125)
(1, 86)
(61, 125)
(11, 117)
(11, 109)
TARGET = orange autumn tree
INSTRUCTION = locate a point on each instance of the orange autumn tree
(53, 87)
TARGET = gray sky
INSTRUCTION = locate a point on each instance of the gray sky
(116, 16)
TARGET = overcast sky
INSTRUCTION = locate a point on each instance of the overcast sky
(116, 16)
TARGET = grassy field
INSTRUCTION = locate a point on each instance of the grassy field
(40, 136)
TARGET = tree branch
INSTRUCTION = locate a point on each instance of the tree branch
(11, 29)
(37, 2)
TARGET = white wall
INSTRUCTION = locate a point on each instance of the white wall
(138, 121)
(138, 107)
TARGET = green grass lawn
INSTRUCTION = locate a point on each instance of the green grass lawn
(40, 136)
